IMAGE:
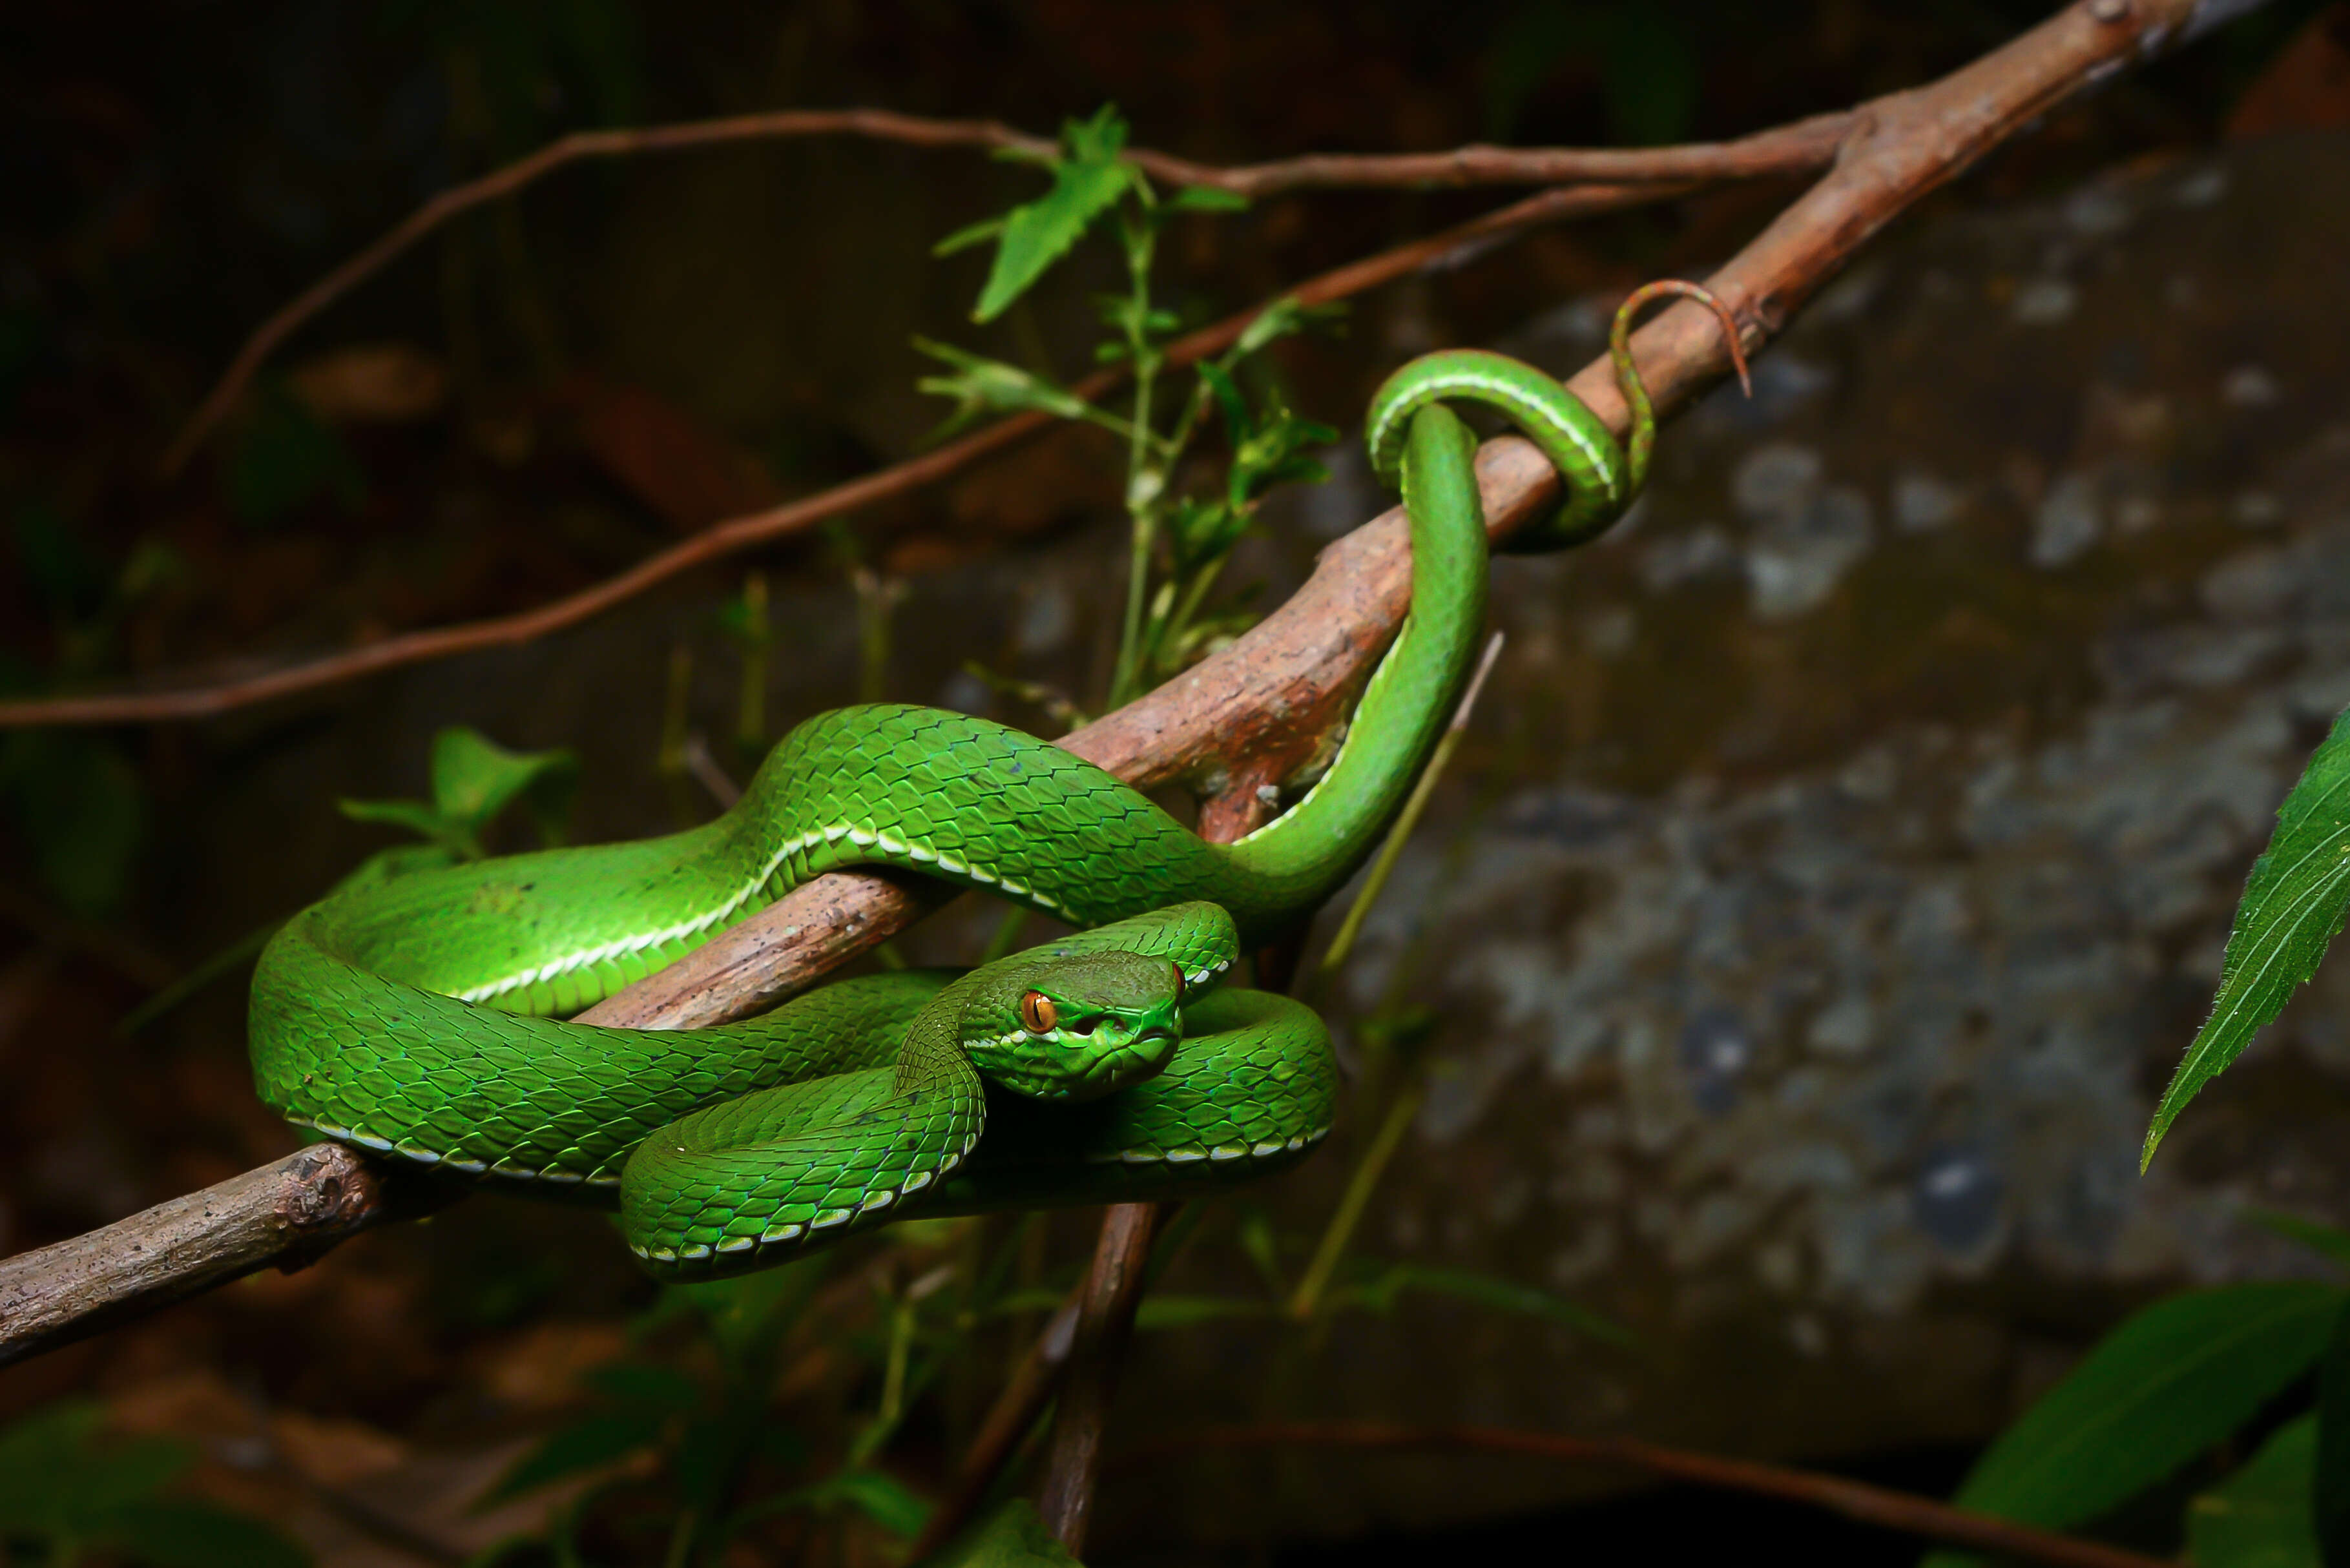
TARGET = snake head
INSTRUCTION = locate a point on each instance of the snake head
(1076, 1027)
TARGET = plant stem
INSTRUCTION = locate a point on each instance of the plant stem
(1307, 1298)
(681, 1542)
(1335, 958)
(1144, 481)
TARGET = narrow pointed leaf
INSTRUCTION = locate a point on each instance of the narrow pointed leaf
(2173, 1380)
(2292, 908)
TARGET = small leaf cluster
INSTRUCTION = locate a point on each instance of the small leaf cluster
(474, 781)
(1182, 537)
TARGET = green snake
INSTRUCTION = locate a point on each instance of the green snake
(418, 1016)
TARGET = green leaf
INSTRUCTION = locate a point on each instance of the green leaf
(883, 1498)
(475, 779)
(1088, 180)
(2260, 1516)
(1207, 199)
(970, 234)
(1011, 1537)
(2174, 1379)
(2331, 1241)
(588, 1444)
(412, 814)
(991, 386)
(1485, 1290)
(174, 1534)
(1183, 1311)
(1282, 318)
(2293, 907)
(1228, 397)
(2330, 1483)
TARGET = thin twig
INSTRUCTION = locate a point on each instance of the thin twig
(1903, 1511)
(1795, 148)
(756, 529)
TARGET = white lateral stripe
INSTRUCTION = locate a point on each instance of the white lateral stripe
(628, 945)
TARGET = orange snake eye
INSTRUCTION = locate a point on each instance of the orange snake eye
(1179, 983)
(1037, 1013)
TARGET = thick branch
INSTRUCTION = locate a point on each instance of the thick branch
(1275, 689)
(1901, 1510)
(737, 535)
(1795, 148)
(286, 1214)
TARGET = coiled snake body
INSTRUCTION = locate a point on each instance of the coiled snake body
(413, 1016)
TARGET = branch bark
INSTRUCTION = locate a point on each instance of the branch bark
(284, 1214)
(1901, 1510)
(198, 700)
(1795, 148)
(1105, 1321)
(1258, 706)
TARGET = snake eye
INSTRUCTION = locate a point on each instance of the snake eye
(1179, 983)
(1037, 1013)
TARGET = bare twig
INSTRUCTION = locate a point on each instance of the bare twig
(1017, 1405)
(1260, 704)
(1795, 148)
(734, 536)
(283, 1214)
(1903, 1511)
(1105, 1320)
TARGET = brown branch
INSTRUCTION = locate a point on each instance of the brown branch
(1275, 689)
(1795, 148)
(1901, 1510)
(283, 1214)
(1016, 1408)
(1113, 1290)
(737, 535)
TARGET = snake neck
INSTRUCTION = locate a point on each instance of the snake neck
(1294, 862)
